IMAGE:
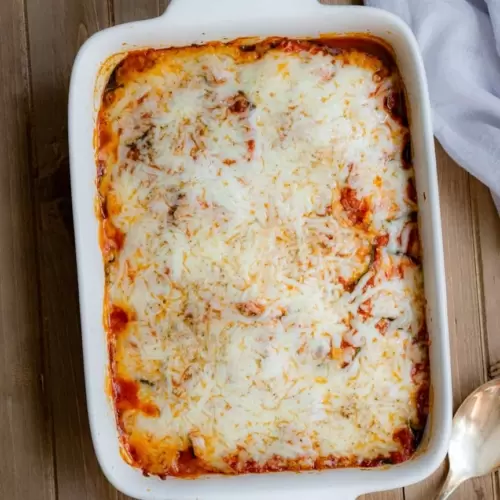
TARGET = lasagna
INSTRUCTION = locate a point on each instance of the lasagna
(264, 304)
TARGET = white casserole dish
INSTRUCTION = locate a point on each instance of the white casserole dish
(197, 21)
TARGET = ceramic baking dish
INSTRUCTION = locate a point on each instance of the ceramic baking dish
(197, 21)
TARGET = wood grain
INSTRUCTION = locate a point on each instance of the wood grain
(487, 224)
(57, 28)
(163, 5)
(26, 465)
(133, 10)
(385, 495)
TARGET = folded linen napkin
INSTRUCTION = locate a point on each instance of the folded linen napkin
(460, 45)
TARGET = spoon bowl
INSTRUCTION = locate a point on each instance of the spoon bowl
(475, 438)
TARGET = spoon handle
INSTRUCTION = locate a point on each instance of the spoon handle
(450, 485)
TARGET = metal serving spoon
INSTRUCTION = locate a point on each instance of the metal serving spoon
(475, 438)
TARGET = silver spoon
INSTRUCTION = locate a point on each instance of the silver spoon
(475, 438)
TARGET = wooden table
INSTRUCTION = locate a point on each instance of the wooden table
(45, 446)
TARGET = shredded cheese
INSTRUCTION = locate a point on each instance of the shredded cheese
(268, 324)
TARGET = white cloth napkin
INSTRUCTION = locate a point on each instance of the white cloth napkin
(460, 45)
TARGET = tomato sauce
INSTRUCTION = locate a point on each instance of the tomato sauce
(355, 208)
(126, 394)
(117, 319)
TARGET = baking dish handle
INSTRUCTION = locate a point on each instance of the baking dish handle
(205, 11)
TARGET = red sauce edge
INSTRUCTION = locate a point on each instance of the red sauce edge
(117, 319)
(126, 394)
(355, 208)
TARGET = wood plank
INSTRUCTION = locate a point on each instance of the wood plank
(487, 223)
(78, 473)
(132, 10)
(57, 28)
(384, 495)
(163, 4)
(464, 308)
(488, 227)
(26, 461)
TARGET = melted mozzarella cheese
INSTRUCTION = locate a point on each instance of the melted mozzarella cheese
(237, 252)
